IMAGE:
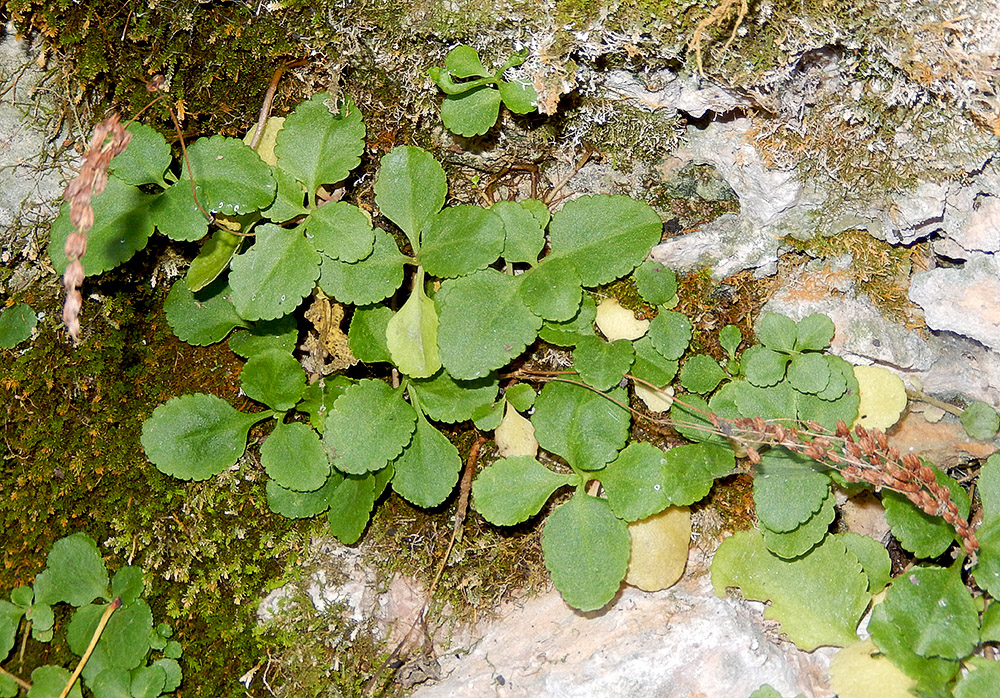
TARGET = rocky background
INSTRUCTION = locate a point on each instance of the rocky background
(818, 156)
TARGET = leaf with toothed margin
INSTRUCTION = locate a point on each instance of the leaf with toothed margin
(368, 281)
(272, 277)
(204, 317)
(410, 188)
(503, 505)
(585, 427)
(341, 231)
(458, 240)
(427, 470)
(369, 426)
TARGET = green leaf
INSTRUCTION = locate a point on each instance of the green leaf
(988, 485)
(987, 570)
(512, 490)
(650, 365)
(764, 367)
(8, 686)
(989, 631)
(582, 426)
(814, 332)
(690, 470)
(484, 324)
(471, 113)
(301, 505)
(809, 373)
(924, 535)
(935, 612)
(602, 364)
(147, 682)
(670, 333)
(538, 209)
(411, 334)
(690, 421)
(633, 482)
(204, 317)
(351, 506)
(176, 214)
(459, 240)
(777, 332)
(980, 420)
(16, 324)
(122, 226)
(827, 412)
(274, 378)
(195, 437)
(842, 379)
(74, 573)
(368, 427)
(444, 399)
(701, 374)
(788, 489)
(48, 682)
(521, 396)
(488, 417)
(272, 277)
(980, 682)
(774, 402)
(318, 398)
(317, 146)
(145, 159)
(124, 643)
(42, 619)
(173, 672)
(10, 619)
(111, 683)
(22, 596)
(896, 644)
(552, 289)
(294, 457)
(463, 62)
(410, 188)
(289, 201)
(604, 236)
(213, 259)
(874, 559)
(730, 338)
(523, 234)
(341, 231)
(818, 598)
(586, 550)
(366, 336)
(801, 540)
(567, 334)
(427, 470)
(127, 584)
(656, 283)
(369, 281)
(281, 333)
(519, 97)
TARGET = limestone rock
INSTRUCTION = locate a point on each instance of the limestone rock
(962, 300)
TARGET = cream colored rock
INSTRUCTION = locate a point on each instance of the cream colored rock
(659, 549)
(855, 673)
(656, 400)
(617, 322)
(515, 436)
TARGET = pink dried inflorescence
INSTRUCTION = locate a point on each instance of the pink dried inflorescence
(110, 139)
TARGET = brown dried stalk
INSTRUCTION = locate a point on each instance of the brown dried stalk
(110, 139)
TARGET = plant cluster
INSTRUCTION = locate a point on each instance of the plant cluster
(114, 640)
(445, 311)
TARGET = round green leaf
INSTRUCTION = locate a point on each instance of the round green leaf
(568, 333)
(229, 176)
(814, 332)
(777, 332)
(127, 584)
(521, 396)
(604, 236)
(289, 201)
(301, 505)
(512, 490)
(427, 470)
(471, 113)
(274, 378)
(368, 427)
(459, 240)
(582, 426)
(523, 234)
(204, 317)
(173, 673)
(272, 277)
(321, 142)
(484, 324)
(701, 374)
(195, 437)
(148, 682)
(809, 373)
(788, 489)
(691, 422)
(145, 159)
(586, 550)
(923, 535)
(294, 457)
(602, 364)
(764, 367)
(122, 226)
(48, 682)
(74, 573)
(444, 399)
(410, 188)
(552, 289)
(16, 324)
(463, 62)
(801, 540)
(340, 230)
(519, 97)
(281, 333)
(366, 335)
(670, 333)
(634, 482)
(375, 277)
(656, 283)
(351, 506)
(689, 471)
(980, 420)
(650, 365)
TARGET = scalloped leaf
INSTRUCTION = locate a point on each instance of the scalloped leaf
(371, 280)
(280, 333)
(894, 643)
(122, 226)
(552, 289)
(617, 322)
(670, 333)
(341, 231)
(427, 470)
(444, 399)
(204, 317)
(923, 535)
(293, 457)
(274, 378)
(463, 62)
(764, 367)
(459, 240)
(484, 324)
(602, 364)
(318, 398)
(410, 188)
(788, 489)
(195, 437)
(16, 324)
(633, 482)
(512, 490)
(860, 671)
(568, 333)
(289, 201)
(586, 550)
(145, 159)
(74, 573)
(366, 336)
(351, 504)
(515, 435)
(411, 334)
(584, 427)
(524, 237)
(809, 373)
(212, 260)
(980, 420)
(369, 426)
(689, 471)
(302, 505)
(801, 540)
(650, 365)
(814, 332)
(272, 277)
(691, 422)
(604, 236)
(48, 681)
(701, 374)
(471, 113)
(777, 332)
(656, 283)
(318, 146)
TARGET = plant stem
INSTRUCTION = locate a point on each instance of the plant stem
(93, 643)
(20, 682)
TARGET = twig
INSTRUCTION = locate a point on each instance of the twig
(265, 108)
(93, 643)
(551, 194)
(19, 681)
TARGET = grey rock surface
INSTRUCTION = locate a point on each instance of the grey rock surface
(962, 300)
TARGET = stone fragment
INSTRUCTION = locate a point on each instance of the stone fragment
(963, 300)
